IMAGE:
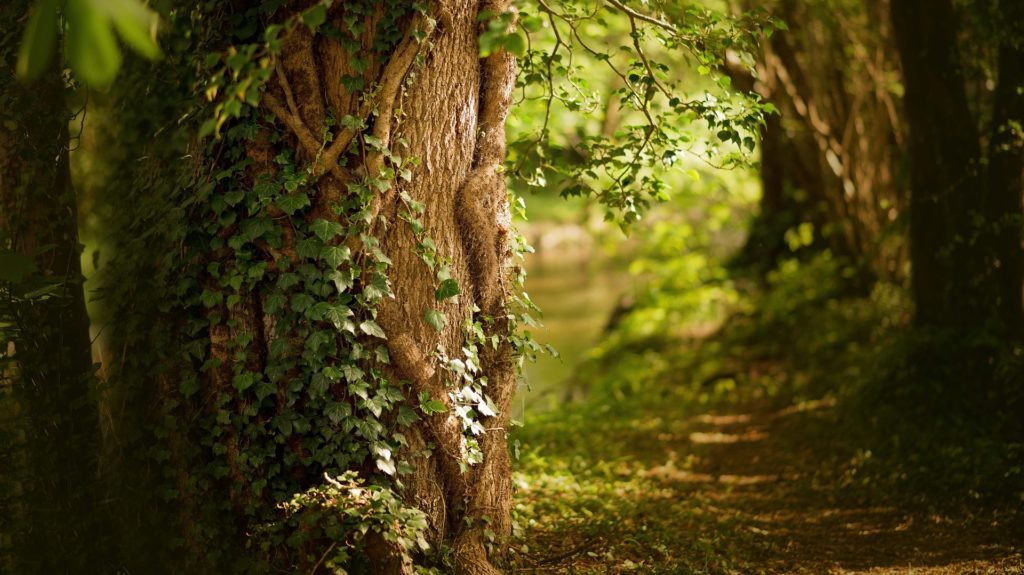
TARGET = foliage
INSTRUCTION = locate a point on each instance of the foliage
(341, 512)
(569, 78)
(87, 27)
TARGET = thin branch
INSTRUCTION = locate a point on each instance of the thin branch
(641, 16)
(643, 57)
(295, 124)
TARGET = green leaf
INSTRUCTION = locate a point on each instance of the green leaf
(433, 406)
(335, 255)
(292, 204)
(515, 44)
(91, 46)
(336, 411)
(315, 16)
(370, 327)
(448, 288)
(406, 416)
(39, 41)
(326, 230)
(436, 319)
(136, 25)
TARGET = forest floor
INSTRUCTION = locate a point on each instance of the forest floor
(655, 486)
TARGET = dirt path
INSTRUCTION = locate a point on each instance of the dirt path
(735, 493)
(807, 533)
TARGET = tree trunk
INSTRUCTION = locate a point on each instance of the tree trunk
(57, 526)
(944, 161)
(1006, 166)
(965, 207)
(263, 413)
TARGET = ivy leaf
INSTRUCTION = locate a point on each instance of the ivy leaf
(326, 230)
(433, 406)
(315, 16)
(370, 327)
(292, 204)
(337, 314)
(448, 288)
(336, 411)
(386, 466)
(243, 381)
(333, 256)
(436, 319)
(486, 407)
(406, 416)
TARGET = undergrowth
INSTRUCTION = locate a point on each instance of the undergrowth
(929, 423)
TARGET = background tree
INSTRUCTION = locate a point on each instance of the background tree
(831, 158)
(965, 213)
(53, 518)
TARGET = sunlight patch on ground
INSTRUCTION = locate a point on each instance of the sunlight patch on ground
(703, 438)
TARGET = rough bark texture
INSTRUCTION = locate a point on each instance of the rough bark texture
(50, 473)
(448, 106)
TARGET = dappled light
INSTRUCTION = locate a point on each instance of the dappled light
(496, 287)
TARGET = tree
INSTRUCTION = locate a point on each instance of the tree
(832, 156)
(51, 494)
(312, 296)
(965, 208)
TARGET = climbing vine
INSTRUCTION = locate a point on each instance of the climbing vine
(253, 297)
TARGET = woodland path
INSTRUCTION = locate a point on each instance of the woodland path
(735, 493)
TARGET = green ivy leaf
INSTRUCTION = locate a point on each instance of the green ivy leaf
(433, 406)
(293, 203)
(333, 256)
(448, 288)
(436, 319)
(326, 230)
(315, 16)
(337, 411)
(370, 327)
(406, 416)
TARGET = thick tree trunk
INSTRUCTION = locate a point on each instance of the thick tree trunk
(431, 97)
(965, 207)
(944, 160)
(58, 527)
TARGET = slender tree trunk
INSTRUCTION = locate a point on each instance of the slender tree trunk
(59, 528)
(1006, 165)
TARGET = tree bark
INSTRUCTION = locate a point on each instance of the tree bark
(944, 159)
(58, 526)
(430, 97)
(1006, 166)
(965, 206)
